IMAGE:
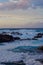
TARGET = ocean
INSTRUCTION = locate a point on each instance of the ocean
(24, 49)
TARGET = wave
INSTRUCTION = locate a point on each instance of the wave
(18, 50)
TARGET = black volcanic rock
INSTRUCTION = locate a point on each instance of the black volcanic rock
(16, 38)
(39, 35)
(14, 63)
(6, 38)
(34, 39)
(40, 48)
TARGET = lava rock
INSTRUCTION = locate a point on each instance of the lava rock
(34, 39)
(16, 38)
(40, 48)
(39, 35)
(6, 38)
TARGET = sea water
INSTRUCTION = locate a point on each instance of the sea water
(21, 49)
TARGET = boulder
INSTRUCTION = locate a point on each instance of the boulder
(40, 48)
(16, 38)
(39, 35)
(34, 39)
(6, 38)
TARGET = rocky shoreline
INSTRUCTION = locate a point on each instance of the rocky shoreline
(8, 38)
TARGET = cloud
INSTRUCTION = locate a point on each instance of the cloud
(14, 1)
(37, 3)
(21, 4)
(12, 4)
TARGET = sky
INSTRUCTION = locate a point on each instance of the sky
(21, 13)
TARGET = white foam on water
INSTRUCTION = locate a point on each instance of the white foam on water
(9, 56)
(15, 44)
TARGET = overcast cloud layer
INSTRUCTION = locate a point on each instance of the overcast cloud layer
(20, 4)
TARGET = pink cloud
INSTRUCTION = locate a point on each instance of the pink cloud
(12, 5)
(20, 4)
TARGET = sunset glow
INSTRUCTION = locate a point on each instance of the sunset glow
(20, 13)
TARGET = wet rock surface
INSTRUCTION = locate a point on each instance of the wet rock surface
(40, 48)
(6, 38)
(16, 38)
(39, 35)
(34, 39)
